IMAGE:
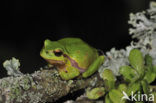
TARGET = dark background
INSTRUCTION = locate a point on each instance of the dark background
(25, 24)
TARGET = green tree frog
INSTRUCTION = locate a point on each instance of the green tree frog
(72, 57)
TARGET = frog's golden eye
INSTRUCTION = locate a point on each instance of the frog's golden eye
(58, 53)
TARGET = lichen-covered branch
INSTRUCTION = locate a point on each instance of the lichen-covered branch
(42, 86)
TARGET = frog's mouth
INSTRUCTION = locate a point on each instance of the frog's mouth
(55, 62)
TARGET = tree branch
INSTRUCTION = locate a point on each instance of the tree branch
(41, 86)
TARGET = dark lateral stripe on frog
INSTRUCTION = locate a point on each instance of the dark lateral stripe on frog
(75, 64)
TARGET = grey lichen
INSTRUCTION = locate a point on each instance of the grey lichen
(144, 31)
(13, 89)
(113, 60)
(12, 67)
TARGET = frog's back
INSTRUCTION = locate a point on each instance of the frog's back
(79, 51)
(74, 44)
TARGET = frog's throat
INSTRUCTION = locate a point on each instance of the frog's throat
(75, 64)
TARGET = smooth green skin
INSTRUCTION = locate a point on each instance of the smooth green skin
(85, 56)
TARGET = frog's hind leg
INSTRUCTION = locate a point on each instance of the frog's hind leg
(69, 73)
(93, 67)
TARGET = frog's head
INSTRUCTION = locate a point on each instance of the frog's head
(53, 51)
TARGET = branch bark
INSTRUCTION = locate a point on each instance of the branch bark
(41, 86)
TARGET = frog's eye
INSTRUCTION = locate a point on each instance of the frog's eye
(58, 53)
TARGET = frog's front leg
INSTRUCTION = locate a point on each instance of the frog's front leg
(69, 72)
(93, 67)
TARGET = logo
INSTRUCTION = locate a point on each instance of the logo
(138, 96)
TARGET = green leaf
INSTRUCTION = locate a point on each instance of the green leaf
(122, 87)
(108, 75)
(109, 78)
(145, 86)
(129, 74)
(116, 96)
(150, 73)
(149, 76)
(109, 84)
(107, 99)
(154, 97)
(133, 87)
(137, 61)
(95, 93)
(154, 69)
(148, 61)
